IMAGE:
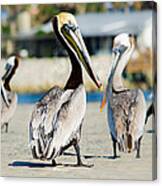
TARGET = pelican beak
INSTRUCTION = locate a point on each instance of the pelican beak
(8, 69)
(74, 38)
(103, 102)
(116, 57)
(117, 53)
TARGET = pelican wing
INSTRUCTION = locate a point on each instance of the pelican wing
(8, 110)
(58, 124)
(41, 121)
(45, 110)
(4, 95)
(127, 107)
(123, 105)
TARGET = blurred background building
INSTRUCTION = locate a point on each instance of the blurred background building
(26, 29)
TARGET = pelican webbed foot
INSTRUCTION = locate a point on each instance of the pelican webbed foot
(81, 164)
(114, 147)
(79, 161)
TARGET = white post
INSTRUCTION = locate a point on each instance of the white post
(24, 22)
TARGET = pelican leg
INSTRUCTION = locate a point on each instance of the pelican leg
(79, 161)
(77, 149)
(114, 147)
(138, 147)
(6, 127)
(54, 163)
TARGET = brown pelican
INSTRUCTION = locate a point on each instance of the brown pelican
(57, 118)
(9, 98)
(126, 107)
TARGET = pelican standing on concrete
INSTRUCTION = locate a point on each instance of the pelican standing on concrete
(8, 98)
(57, 118)
(126, 107)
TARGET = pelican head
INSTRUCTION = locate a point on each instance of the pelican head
(68, 32)
(123, 47)
(11, 66)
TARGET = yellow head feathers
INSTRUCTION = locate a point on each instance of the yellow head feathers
(65, 18)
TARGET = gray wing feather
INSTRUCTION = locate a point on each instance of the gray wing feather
(7, 112)
(51, 119)
(128, 111)
(43, 113)
(68, 120)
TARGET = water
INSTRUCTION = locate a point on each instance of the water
(91, 97)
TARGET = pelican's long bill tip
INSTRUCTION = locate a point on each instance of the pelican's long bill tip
(103, 103)
(101, 109)
(101, 88)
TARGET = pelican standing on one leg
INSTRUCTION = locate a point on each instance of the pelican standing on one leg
(126, 107)
(57, 118)
(8, 98)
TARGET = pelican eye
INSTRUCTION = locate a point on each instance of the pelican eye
(122, 49)
(72, 27)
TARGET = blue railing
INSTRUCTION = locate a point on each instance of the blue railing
(91, 97)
